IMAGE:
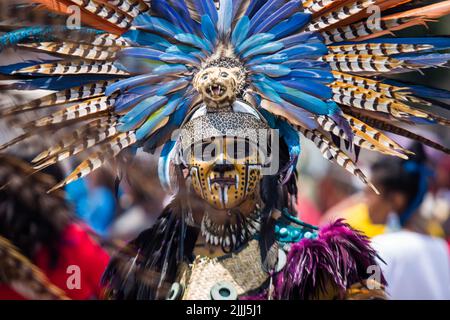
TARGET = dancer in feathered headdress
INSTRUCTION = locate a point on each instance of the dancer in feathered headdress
(222, 72)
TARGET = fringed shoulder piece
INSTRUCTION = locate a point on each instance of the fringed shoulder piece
(146, 267)
(327, 266)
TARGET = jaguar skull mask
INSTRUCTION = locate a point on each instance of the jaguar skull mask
(218, 86)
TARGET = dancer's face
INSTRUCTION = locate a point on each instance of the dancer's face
(225, 171)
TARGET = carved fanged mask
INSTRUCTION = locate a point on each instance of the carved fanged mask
(217, 86)
(225, 151)
(225, 171)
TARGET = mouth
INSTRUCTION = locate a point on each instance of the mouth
(216, 90)
(224, 181)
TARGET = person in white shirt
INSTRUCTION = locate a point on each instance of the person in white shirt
(417, 266)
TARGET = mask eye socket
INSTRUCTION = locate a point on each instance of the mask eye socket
(205, 152)
(224, 74)
(239, 149)
(205, 77)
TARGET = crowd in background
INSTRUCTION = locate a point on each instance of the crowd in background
(408, 223)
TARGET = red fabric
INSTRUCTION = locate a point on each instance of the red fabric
(308, 212)
(77, 249)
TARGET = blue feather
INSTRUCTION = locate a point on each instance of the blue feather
(240, 31)
(147, 39)
(195, 41)
(180, 48)
(236, 5)
(140, 112)
(268, 92)
(153, 24)
(209, 29)
(254, 6)
(310, 103)
(264, 12)
(58, 83)
(316, 89)
(274, 58)
(205, 7)
(181, 7)
(225, 17)
(210, 10)
(164, 166)
(144, 89)
(137, 65)
(163, 9)
(128, 83)
(310, 87)
(294, 23)
(257, 39)
(152, 122)
(284, 12)
(300, 99)
(305, 50)
(292, 140)
(287, 132)
(418, 120)
(270, 47)
(145, 53)
(307, 64)
(304, 37)
(270, 118)
(165, 132)
(180, 58)
(186, 50)
(126, 100)
(343, 124)
(172, 69)
(172, 86)
(314, 74)
(160, 89)
(40, 34)
(428, 60)
(291, 137)
(274, 84)
(272, 70)
(296, 113)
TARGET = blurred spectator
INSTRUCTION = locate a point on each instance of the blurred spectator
(417, 265)
(356, 212)
(95, 201)
(143, 199)
(41, 226)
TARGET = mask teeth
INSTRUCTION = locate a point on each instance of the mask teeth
(233, 236)
(227, 241)
(209, 184)
(225, 195)
(243, 236)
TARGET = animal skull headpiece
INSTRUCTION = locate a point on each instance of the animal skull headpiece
(220, 82)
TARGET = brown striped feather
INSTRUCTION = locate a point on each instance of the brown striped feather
(19, 269)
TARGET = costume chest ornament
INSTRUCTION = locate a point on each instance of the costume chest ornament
(239, 274)
(232, 275)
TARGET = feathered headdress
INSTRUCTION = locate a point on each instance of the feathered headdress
(318, 67)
